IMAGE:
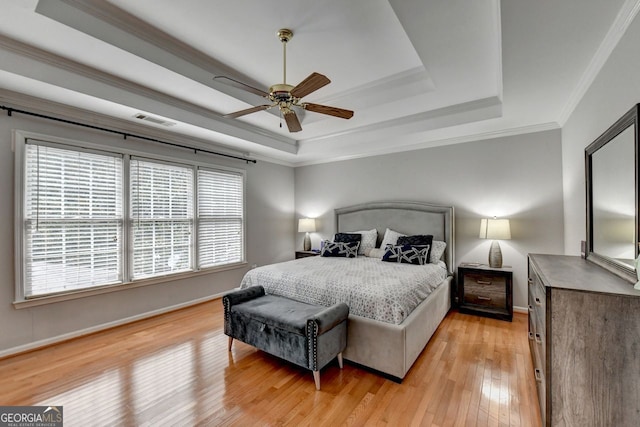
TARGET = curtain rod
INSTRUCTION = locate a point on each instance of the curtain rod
(10, 111)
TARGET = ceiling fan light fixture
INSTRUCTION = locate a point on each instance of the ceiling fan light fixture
(285, 96)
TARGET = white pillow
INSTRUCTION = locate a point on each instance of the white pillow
(390, 238)
(368, 241)
(437, 249)
(375, 253)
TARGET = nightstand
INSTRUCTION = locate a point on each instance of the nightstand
(304, 254)
(486, 291)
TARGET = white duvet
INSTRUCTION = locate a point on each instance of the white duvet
(378, 290)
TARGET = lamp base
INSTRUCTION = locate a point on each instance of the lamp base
(495, 255)
(306, 245)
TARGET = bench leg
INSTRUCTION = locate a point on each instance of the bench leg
(316, 377)
(340, 360)
(230, 342)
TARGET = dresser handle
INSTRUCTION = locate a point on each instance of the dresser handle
(481, 298)
(531, 336)
(530, 280)
(538, 374)
(538, 339)
(530, 308)
(482, 282)
(538, 302)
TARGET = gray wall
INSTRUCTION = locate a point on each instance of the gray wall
(270, 238)
(614, 91)
(517, 177)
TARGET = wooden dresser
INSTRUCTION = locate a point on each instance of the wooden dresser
(584, 336)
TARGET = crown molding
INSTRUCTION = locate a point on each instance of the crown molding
(236, 129)
(421, 121)
(501, 133)
(623, 20)
(67, 112)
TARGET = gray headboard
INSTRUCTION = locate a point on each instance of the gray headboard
(404, 217)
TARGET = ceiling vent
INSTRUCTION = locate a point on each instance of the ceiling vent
(152, 119)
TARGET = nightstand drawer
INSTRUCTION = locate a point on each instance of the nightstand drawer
(485, 291)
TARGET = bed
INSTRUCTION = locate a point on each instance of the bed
(383, 338)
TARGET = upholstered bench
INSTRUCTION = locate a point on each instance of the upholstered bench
(308, 335)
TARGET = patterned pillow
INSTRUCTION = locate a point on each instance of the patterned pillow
(347, 237)
(340, 249)
(390, 238)
(407, 254)
(417, 240)
(368, 240)
(437, 249)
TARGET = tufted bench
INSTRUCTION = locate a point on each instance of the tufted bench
(308, 335)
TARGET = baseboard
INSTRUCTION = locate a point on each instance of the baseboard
(76, 334)
(517, 309)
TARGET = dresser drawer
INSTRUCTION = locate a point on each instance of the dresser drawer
(542, 393)
(485, 291)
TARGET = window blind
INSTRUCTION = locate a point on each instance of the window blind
(73, 219)
(161, 201)
(220, 217)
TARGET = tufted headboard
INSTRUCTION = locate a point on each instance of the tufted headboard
(404, 217)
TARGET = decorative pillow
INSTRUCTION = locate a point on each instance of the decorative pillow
(408, 254)
(375, 253)
(390, 238)
(347, 237)
(340, 249)
(368, 240)
(437, 249)
(417, 240)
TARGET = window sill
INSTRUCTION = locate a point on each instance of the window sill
(50, 299)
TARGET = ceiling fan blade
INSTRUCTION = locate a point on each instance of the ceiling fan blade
(236, 83)
(325, 109)
(247, 111)
(312, 83)
(292, 121)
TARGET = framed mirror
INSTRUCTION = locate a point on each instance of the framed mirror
(611, 163)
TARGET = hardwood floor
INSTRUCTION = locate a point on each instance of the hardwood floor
(175, 369)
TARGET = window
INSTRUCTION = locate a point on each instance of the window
(72, 221)
(220, 217)
(162, 218)
(93, 218)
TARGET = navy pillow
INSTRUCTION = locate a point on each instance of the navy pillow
(347, 237)
(417, 240)
(340, 249)
(407, 254)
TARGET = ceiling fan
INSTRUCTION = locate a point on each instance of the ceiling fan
(285, 96)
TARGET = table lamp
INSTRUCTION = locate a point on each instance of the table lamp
(306, 225)
(496, 229)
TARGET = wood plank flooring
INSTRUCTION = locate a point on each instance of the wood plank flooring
(175, 370)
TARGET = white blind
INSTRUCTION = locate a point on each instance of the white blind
(161, 200)
(72, 219)
(220, 217)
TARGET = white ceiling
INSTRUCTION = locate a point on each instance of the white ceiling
(417, 73)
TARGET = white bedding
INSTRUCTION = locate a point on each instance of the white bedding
(383, 291)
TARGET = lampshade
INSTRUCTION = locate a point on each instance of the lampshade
(306, 225)
(495, 229)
